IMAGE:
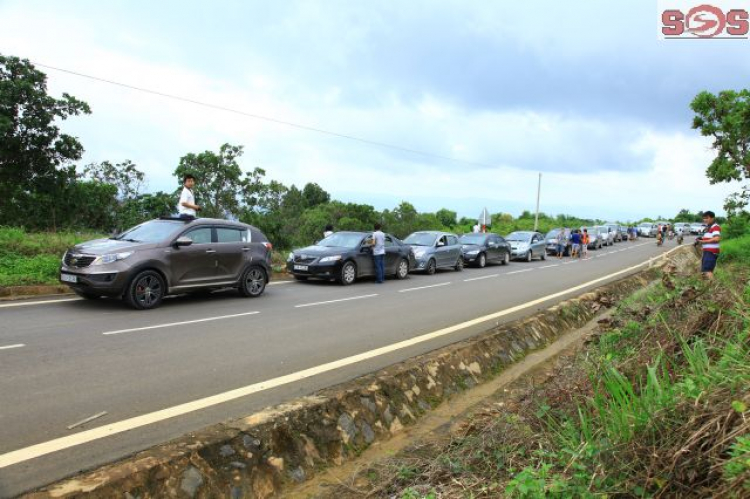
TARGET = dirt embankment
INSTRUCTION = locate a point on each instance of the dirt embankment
(654, 402)
(268, 452)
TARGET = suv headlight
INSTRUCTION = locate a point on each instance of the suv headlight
(111, 258)
(290, 257)
(334, 258)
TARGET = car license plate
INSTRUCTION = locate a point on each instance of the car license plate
(68, 278)
(300, 267)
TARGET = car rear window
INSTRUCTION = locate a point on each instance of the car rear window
(230, 235)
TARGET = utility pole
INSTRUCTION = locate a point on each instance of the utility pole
(538, 195)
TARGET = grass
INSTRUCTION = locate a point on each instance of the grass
(28, 258)
(658, 405)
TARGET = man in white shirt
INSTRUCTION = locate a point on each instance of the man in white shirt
(186, 207)
(378, 253)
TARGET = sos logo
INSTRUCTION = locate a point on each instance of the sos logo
(705, 21)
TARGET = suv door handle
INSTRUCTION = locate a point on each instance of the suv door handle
(210, 251)
(246, 248)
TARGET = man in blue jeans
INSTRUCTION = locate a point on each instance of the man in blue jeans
(378, 253)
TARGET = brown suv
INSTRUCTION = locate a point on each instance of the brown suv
(170, 256)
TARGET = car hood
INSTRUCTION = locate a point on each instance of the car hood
(316, 251)
(105, 246)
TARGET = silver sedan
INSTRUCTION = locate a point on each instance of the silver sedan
(527, 245)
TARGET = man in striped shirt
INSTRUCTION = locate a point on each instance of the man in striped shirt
(710, 242)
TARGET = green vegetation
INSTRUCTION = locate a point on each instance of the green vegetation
(657, 405)
(34, 258)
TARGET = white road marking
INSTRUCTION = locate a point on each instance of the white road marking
(335, 301)
(173, 324)
(423, 287)
(58, 444)
(44, 302)
(8, 347)
(480, 278)
(24, 303)
(548, 266)
(568, 263)
(518, 271)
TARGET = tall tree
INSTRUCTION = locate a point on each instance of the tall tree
(35, 156)
(219, 180)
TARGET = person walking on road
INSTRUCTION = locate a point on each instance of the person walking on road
(328, 230)
(378, 253)
(186, 206)
(710, 242)
(585, 239)
(562, 238)
(575, 239)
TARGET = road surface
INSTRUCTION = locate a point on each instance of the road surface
(65, 360)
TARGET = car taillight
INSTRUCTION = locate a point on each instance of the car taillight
(268, 246)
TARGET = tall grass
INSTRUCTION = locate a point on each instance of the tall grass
(34, 258)
(736, 250)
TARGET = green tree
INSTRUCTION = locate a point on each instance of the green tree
(35, 156)
(447, 217)
(125, 176)
(219, 180)
(314, 195)
(725, 118)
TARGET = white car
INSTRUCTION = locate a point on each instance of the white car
(644, 229)
(697, 228)
(682, 228)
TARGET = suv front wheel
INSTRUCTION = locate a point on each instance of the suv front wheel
(253, 282)
(146, 290)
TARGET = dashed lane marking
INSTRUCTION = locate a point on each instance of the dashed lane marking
(424, 287)
(174, 324)
(362, 297)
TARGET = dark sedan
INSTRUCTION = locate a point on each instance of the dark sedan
(481, 249)
(347, 256)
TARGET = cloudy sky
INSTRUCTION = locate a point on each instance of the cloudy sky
(581, 91)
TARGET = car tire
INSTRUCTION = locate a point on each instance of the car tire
(506, 259)
(529, 256)
(86, 296)
(482, 260)
(301, 277)
(253, 282)
(348, 274)
(146, 290)
(402, 269)
(459, 264)
(431, 267)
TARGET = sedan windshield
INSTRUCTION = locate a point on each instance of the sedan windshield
(154, 231)
(341, 240)
(421, 239)
(519, 236)
(472, 239)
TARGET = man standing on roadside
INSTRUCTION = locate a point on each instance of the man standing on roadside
(575, 240)
(378, 253)
(585, 244)
(561, 243)
(710, 242)
(186, 207)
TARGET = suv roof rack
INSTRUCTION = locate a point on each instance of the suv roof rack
(181, 219)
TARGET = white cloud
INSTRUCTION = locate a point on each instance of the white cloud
(598, 166)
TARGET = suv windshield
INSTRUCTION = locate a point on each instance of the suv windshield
(421, 239)
(340, 240)
(154, 231)
(472, 239)
(552, 234)
(518, 236)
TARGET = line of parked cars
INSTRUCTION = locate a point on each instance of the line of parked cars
(650, 229)
(171, 256)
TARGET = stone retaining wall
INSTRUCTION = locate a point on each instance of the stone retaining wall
(256, 456)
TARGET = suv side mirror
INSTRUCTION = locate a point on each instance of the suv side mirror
(182, 241)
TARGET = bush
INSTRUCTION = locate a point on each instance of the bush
(736, 250)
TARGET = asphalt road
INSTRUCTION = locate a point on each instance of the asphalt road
(64, 360)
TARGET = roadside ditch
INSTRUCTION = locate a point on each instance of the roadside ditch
(273, 452)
